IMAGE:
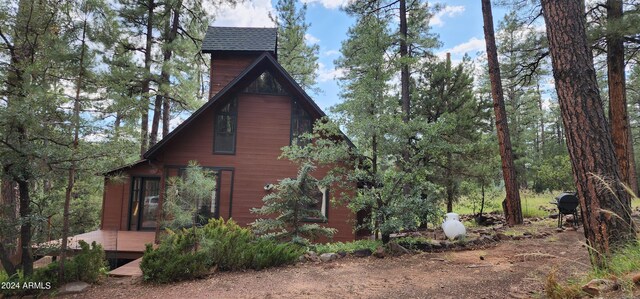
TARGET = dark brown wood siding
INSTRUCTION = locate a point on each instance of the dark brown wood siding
(263, 128)
(225, 68)
(115, 205)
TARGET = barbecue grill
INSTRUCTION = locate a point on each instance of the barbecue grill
(567, 203)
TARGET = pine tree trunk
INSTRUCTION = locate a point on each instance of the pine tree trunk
(72, 170)
(25, 228)
(512, 208)
(8, 212)
(607, 222)
(146, 83)
(404, 82)
(155, 120)
(618, 116)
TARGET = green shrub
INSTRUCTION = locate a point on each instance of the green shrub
(175, 259)
(268, 253)
(191, 253)
(89, 265)
(348, 247)
(228, 245)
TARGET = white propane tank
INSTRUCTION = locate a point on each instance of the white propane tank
(452, 226)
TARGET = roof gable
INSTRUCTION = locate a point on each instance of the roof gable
(266, 61)
(249, 39)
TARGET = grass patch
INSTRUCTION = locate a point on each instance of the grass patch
(348, 247)
(620, 265)
(555, 290)
(530, 202)
(622, 262)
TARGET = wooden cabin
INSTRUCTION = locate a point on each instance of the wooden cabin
(255, 109)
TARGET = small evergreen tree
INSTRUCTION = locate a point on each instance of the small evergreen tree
(185, 195)
(292, 202)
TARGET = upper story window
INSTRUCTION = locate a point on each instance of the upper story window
(301, 123)
(226, 118)
(265, 84)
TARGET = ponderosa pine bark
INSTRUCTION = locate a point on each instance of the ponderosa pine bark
(146, 82)
(618, 115)
(607, 222)
(512, 207)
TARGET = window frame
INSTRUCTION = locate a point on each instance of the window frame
(137, 193)
(295, 104)
(253, 88)
(233, 113)
(325, 202)
(215, 196)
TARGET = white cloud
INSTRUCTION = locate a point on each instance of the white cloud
(310, 39)
(447, 11)
(331, 52)
(326, 74)
(246, 14)
(329, 4)
(471, 46)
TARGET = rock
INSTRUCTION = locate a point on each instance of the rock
(527, 234)
(559, 229)
(553, 216)
(73, 288)
(445, 244)
(362, 252)
(483, 240)
(312, 256)
(342, 253)
(517, 238)
(636, 278)
(327, 257)
(302, 258)
(379, 253)
(502, 236)
(569, 218)
(596, 287)
(397, 249)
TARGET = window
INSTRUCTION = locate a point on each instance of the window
(301, 123)
(224, 141)
(143, 204)
(266, 84)
(207, 207)
(322, 198)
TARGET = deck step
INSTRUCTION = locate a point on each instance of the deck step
(131, 269)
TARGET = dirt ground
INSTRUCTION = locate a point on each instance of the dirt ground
(510, 269)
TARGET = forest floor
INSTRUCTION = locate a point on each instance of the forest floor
(508, 269)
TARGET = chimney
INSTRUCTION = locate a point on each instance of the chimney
(233, 49)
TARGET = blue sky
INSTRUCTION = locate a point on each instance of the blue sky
(459, 26)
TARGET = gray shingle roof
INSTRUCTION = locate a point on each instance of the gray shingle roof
(239, 39)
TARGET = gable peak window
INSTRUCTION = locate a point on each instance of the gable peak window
(265, 84)
(226, 118)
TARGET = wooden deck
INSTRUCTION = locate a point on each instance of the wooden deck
(125, 242)
(130, 269)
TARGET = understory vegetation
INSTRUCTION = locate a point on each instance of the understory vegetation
(216, 246)
(88, 265)
(620, 268)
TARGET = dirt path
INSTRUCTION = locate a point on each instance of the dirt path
(512, 269)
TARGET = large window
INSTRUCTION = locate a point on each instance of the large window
(301, 123)
(143, 205)
(207, 207)
(224, 141)
(265, 84)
